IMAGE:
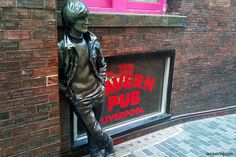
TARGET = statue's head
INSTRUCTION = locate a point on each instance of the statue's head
(75, 16)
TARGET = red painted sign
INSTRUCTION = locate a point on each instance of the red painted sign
(128, 86)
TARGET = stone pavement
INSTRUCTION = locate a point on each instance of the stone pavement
(201, 138)
(212, 137)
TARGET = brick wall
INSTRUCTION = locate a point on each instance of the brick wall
(205, 67)
(29, 108)
(173, 6)
(205, 70)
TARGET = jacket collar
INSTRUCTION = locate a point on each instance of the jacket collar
(88, 36)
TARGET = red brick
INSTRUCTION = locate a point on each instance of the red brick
(6, 86)
(53, 98)
(5, 106)
(47, 150)
(5, 96)
(9, 24)
(27, 119)
(34, 83)
(131, 31)
(5, 133)
(229, 66)
(24, 129)
(52, 89)
(36, 100)
(30, 136)
(9, 45)
(23, 93)
(43, 108)
(40, 134)
(6, 142)
(46, 90)
(32, 92)
(17, 94)
(52, 62)
(46, 71)
(23, 112)
(44, 34)
(31, 24)
(31, 44)
(7, 151)
(24, 147)
(2, 56)
(55, 52)
(43, 53)
(37, 44)
(11, 76)
(48, 123)
(17, 34)
(50, 43)
(19, 55)
(33, 64)
(51, 23)
(7, 3)
(52, 80)
(30, 3)
(17, 13)
(51, 4)
(54, 130)
(43, 14)
(54, 113)
(9, 66)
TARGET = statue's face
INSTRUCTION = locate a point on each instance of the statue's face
(81, 24)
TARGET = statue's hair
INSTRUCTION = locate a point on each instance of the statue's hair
(73, 9)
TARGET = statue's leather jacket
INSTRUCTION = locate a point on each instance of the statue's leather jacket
(68, 60)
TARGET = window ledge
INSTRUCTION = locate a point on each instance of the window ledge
(136, 20)
(132, 20)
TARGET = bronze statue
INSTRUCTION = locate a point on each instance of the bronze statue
(82, 72)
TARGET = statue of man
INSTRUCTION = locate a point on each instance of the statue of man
(82, 72)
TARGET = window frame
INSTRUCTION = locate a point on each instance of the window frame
(140, 122)
(124, 6)
(98, 3)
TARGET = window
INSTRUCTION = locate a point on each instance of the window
(127, 6)
(138, 89)
(98, 3)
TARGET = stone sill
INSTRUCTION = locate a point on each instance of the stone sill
(132, 20)
(136, 20)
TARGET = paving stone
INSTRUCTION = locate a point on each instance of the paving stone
(180, 154)
(169, 154)
(131, 155)
(161, 148)
(197, 153)
(156, 151)
(226, 141)
(148, 152)
(182, 150)
(175, 140)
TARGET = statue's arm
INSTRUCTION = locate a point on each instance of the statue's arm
(60, 58)
(101, 64)
(61, 67)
